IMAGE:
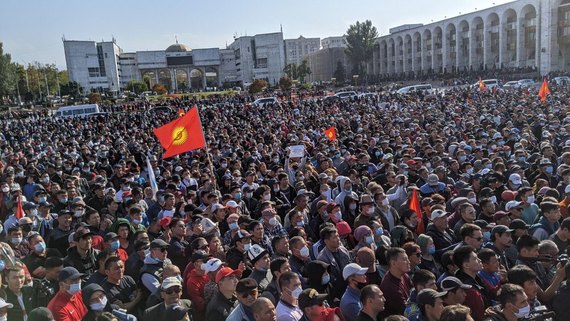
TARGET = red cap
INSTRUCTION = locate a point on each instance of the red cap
(343, 228)
(226, 271)
(165, 221)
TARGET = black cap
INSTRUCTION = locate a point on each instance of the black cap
(158, 244)
(69, 273)
(200, 255)
(428, 296)
(81, 232)
(246, 285)
(310, 297)
(518, 224)
(501, 229)
(110, 236)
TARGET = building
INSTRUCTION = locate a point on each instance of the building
(325, 62)
(297, 50)
(518, 34)
(259, 57)
(334, 42)
(103, 66)
(93, 65)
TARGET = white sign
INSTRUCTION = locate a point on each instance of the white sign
(296, 151)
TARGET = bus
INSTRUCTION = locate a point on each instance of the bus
(77, 111)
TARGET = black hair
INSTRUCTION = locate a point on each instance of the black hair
(526, 242)
(422, 277)
(508, 293)
(110, 261)
(462, 254)
(519, 274)
(485, 255)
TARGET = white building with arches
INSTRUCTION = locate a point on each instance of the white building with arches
(518, 34)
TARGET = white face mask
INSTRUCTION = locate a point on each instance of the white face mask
(385, 202)
(472, 200)
(266, 197)
(531, 199)
(370, 210)
(296, 292)
(272, 221)
(304, 251)
(99, 306)
(74, 288)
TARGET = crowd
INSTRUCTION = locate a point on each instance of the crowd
(448, 207)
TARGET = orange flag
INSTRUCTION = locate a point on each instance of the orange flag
(19, 211)
(544, 90)
(331, 133)
(182, 134)
(181, 112)
(415, 206)
(482, 85)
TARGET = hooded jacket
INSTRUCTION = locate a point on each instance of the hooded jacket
(92, 315)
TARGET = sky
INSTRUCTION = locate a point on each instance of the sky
(32, 30)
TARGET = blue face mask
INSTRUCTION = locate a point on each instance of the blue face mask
(238, 196)
(431, 250)
(486, 236)
(379, 231)
(2, 265)
(234, 226)
(115, 245)
(369, 239)
(40, 247)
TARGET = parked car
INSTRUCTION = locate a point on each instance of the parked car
(261, 102)
(346, 94)
(414, 88)
(561, 81)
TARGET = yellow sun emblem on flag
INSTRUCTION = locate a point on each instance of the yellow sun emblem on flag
(330, 134)
(179, 136)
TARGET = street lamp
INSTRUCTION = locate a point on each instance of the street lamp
(355, 79)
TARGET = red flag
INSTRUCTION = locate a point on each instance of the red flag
(20, 211)
(181, 112)
(544, 90)
(416, 207)
(331, 133)
(182, 134)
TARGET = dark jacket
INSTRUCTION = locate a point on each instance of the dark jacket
(220, 307)
(477, 297)
(176, 252)
(441, 240)
(87, 265)
(16, 313)
(494, 314)
(157, 312)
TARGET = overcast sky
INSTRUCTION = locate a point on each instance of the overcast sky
(32, 30)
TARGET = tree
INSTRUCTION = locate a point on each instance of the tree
(71, 88)
(94, 98)
(137, 86)
(285, 83)
(291, 71)
(159, 89)
(340, 73)
(360, 44)
(8, 75)
(257, 86)
(303, 70)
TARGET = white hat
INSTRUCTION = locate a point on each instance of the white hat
(497, 135)
(216, 207)
(437, 214)
(255, 253)
(515, 179)
(208, 225)
(512, 204)
(4, 304)
(212, 265)
(232, 204)
(170, 282)
(352, 269)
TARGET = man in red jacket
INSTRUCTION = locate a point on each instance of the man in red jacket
(195, 285)
(67, 304)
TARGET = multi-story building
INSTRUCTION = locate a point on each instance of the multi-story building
(104, 66)
(297, 50)
(325, 62)
(518, 34)
(334, 42)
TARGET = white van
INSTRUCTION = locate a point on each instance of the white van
(265, 101)
(77, 111)
(346, 94)
(414, 88)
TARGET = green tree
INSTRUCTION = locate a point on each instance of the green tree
(340, 73)
(8, 75)
(285, 83)
(71, 88)
(257, 86)
(291, 71)
(94, 98)
(303, 70)
(360, 44)
(137, 86)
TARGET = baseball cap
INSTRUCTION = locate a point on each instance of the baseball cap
(241, 234)
(437, 214)
(500, 229)
(81, 232)
(29, 206)
(199, 255)
(212, 265)
(255, 253)
(499, 215)
(428, 296)
(515, 179)
(512, 204)
(110, 236)
(352, 269)
(246, 285)
(518, 224)
(170, 282)
(232, 204)
(225, 272)
(310, 297)
(451, 283)
(69, 273)
(158, 244)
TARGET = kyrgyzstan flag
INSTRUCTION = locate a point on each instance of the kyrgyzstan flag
(181, 112)
(416, 207)
(331, 133)
(482, 85)
(544, 90)
(182, 134)
(20, 210)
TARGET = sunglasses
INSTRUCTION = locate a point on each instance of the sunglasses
(418, 254)
(252, 293)
(173, 290)
(478, 239)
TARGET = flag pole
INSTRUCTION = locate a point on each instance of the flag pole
(207, 148)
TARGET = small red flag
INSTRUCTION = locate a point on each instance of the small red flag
(182, 134)
(19, 211)
(415, 206)
(544, 90)
(181, 112)
(331, 133)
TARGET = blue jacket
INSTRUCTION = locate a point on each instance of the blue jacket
(350, 304)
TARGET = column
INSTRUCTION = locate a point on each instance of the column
(173, 79)
(502, 43)
(414, 51)
(404, 56)
(521, 45)
(204, 83)
(459, 49)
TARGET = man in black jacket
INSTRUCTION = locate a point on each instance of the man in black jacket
(15, 278)
(225, 300)
(82, 256)
(171, 292)
(443, 237)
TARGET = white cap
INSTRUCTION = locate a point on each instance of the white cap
(515, 179)
(208, 225)
(170, 282)
(232, 204)
(512, 204)
(437, 214)
(352, 269)
(212, 265)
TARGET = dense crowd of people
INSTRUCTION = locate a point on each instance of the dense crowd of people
(429, 207)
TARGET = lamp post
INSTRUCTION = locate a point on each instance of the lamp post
(355, 79)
